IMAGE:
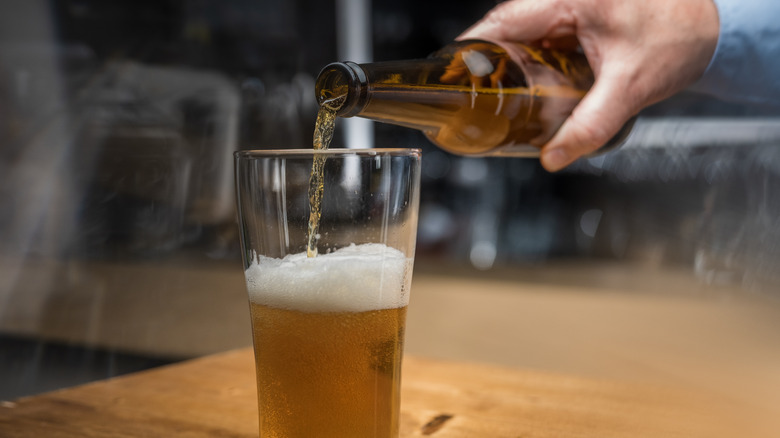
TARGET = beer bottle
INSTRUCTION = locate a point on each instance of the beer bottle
(471, 97)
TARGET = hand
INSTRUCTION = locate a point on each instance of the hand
(640, 51)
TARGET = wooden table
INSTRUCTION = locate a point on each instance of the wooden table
(214, 396)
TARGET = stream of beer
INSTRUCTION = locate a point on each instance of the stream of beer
(323, 134)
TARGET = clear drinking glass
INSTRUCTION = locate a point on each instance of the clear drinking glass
(328, 330)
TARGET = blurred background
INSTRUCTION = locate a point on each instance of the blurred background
(118, 236)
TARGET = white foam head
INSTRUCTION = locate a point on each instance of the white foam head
(353, 279)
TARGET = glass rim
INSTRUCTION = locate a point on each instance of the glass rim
(291, 153)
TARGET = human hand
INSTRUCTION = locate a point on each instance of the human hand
(640, 51)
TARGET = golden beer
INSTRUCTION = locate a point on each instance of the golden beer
(330, 374)
(328, 337)
(323, 134)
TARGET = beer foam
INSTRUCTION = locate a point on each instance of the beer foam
(356, 278)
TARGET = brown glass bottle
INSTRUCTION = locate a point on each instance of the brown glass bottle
(470, 98)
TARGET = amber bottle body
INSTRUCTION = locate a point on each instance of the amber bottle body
(469, 98)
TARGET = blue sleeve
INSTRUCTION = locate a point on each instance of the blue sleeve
(745, 67)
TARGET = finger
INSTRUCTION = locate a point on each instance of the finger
(523, 20)
(595, 120)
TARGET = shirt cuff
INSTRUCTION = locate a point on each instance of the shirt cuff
(745, 67)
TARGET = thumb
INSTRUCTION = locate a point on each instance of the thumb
(521, 20)
(596, 119)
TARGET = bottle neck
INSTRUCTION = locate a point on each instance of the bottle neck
(406, 93)
(342, 87)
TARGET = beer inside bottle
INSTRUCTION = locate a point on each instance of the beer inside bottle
(470, 98)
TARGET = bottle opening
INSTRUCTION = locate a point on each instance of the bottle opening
(342, 86)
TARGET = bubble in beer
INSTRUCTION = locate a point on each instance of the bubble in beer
(356, 278)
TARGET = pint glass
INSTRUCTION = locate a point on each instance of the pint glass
(328, 329)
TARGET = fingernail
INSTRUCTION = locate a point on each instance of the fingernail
(470, 32)
(481, 28)
(555, 159)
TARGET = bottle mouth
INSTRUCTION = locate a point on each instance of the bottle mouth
(342, 87)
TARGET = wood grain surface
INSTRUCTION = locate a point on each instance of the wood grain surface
(214, 396)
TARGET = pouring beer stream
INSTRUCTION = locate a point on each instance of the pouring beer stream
(323, 134)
